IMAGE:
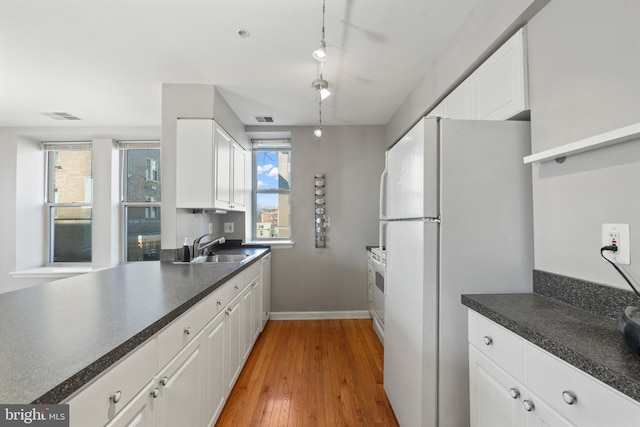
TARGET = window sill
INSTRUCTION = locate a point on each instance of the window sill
(275, 244)
(52, 272)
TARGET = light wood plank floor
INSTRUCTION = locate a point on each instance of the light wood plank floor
(311, 373)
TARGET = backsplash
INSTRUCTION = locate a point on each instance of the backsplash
(590, 296)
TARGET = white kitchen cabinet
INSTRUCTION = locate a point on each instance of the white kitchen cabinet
(549, 391)
(495, 396)
(235, 341)
(265, 278)
(497, 90)
(215, 384)
(459, 104)
(240, 179)
(194, 160)
(500, 83)
(181, 400)
(99, 401)
(183, 375)
(140, 412)
(206, 162)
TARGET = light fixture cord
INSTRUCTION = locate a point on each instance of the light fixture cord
(323, 9)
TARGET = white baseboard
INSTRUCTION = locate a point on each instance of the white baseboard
(319, 315)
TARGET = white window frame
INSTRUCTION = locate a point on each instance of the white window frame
(49, 205)
(258, 146)
(151, 206)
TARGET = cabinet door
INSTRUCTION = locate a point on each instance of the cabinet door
(257, 309)
(223, 148)
(240, 186)
(495, 397)
(248, 304)
(265, 278)
(215, 386)
(459, 104)
(194, 157)
(501, 82)
(182, 394)
(235, 341)
(539, 414)
(140, 412)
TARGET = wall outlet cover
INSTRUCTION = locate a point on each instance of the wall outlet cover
(228, 227)
(618, 234)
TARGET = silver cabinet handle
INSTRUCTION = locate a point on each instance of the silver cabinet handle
(155, 393)
(164, 381)
(115, 397)
(187, 330)
(569, 397)
(236, 287)
(488, 340)
(528, 405)
(514, 392)
(218, 303)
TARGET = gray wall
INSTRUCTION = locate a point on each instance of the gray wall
(583, 73)
(334, 278)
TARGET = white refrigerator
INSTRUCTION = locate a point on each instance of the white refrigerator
(457, 219)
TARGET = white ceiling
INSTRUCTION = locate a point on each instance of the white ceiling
(104, 61)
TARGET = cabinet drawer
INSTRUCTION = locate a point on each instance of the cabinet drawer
(179, 333)
(95, 404)
(498, 344)
(250, 273)
(235, 286)
(596, 404)
(216, 302)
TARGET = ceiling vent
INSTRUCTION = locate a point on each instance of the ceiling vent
(60, 116)
(264, 119)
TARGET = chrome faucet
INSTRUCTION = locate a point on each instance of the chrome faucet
(197, 247)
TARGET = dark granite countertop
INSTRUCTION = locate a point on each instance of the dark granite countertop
(590, 342)
(58, 336)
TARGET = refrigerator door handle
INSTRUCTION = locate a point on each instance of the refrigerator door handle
(382, 234)
(383, 190)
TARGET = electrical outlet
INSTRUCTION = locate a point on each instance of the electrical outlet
(617, 234)
(228, 227)
(210, 228)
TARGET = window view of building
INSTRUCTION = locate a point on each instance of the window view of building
(69, 202)
(141, 201)
(272, 190)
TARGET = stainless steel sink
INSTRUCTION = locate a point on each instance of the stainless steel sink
(222, 258)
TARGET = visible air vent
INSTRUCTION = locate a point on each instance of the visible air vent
(264, 119)
(60, 116)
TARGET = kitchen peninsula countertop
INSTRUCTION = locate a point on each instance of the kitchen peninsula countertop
(590, 342)
(58, 336)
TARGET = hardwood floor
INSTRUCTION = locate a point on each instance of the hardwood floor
(311, 373)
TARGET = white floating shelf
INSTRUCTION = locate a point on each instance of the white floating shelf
(615, 136)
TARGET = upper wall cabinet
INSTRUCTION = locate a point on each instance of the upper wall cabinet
(210, 167)
(497, 90)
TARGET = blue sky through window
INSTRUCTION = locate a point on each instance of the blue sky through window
(267, 172)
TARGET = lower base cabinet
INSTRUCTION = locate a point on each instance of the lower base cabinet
(514, 383)
(215, 384)
(498, 400)
(192, 384)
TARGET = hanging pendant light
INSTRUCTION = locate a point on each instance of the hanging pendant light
(320, 54)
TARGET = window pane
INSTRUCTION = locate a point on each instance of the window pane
(273, 170)
(143, 175)
(71, 234)
(273, 216)
(70, 176)
(143, 233)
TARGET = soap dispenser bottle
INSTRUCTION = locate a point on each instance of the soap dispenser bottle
(185, 255)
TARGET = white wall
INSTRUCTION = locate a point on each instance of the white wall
(334, 278)
(583, 74)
